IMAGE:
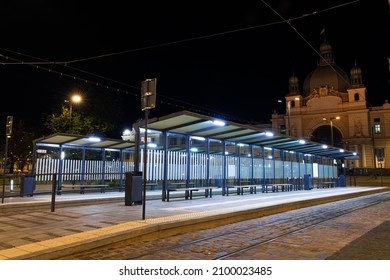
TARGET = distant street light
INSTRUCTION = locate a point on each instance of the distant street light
(331, 127)
(289, 105)
(76, 98)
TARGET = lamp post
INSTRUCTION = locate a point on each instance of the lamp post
(289, 117)
(148, 101)
(331, 128)
(76, 98)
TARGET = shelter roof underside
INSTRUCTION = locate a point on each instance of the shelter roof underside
(185, 122)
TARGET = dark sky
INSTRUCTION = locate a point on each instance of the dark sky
(226, 58)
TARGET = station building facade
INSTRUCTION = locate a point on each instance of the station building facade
(332, 108)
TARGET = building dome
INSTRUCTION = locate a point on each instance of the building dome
(327, 74)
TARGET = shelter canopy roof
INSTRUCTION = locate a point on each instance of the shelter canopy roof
(186, 122)
(80, 141)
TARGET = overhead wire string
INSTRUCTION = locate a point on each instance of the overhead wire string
(201, 37)
(288, 21)
(304, 39)
(172, 43)
(186, 106)
(66, 63)
(61, 73)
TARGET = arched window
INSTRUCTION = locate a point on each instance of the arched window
(356, 96)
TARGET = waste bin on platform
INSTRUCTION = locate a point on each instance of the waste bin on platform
(307, 184)
(133, 188)
(342, 181)
(27, 185)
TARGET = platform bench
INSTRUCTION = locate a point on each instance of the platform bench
(284, 187)
(83, 187)
(329, 184)
(240, 189)
(208, 191)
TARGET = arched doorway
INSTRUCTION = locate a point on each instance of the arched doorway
(322, 134)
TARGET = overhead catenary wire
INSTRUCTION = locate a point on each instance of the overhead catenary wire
(288, 22)
(66, 63)
(39, 64)
(172, 102)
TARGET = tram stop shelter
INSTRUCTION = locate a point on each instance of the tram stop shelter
(186, 148)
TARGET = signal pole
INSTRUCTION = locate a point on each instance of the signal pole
(8, 134)
(148, 101)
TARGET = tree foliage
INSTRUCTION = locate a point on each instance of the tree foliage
(75, 123)
(19, 148)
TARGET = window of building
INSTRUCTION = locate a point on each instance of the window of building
(377, 120)
(282, 129)
(380, 154)
(377, 128)
(356, 96)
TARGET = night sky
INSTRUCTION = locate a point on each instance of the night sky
(226, 58)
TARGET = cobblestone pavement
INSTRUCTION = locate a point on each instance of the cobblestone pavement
(30, 232)
(360, 235)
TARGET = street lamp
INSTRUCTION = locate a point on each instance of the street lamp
(289, 105)
(289, 116)
(331, 127)
(76, 98)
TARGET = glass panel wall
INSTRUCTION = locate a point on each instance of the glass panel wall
(245, 164)
(296, 173)
(278, 161)
(287, 173)
(269, 167)
(155, 158)
(232, 166)
(198, 160)
(216, 162)
(258, 165)
(177, 158)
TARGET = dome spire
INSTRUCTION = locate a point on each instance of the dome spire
(323, 33)
(326, 54)
(356, 76)
(293, 85)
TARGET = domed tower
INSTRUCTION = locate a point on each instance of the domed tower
(294, 97)
(293, 85)
(293, 103)
(327, 78)
(356, 77)
(357, 90)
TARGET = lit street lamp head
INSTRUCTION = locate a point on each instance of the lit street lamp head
(76, 98)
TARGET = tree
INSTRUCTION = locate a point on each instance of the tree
(19, 148)
(74, 124)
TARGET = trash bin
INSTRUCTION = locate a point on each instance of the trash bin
(307, 185)
(342, 181)
(27, 185)
(133, 188)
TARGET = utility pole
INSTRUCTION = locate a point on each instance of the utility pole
(148, 101)
(8, 134)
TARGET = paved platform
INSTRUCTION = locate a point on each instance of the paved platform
(29, 229)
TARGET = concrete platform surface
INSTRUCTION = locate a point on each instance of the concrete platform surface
(30, 230)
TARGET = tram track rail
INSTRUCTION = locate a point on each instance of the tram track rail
(276, 238)
(257, 233)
